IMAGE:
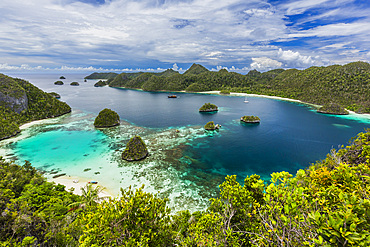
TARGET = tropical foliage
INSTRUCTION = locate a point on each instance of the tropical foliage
(96, 75)
(135, 149)
(210, 125)
(207, 107)
(39, 105)
(106, 118)
(328, 204)
(332, 108)
(347, 85)
(250, 119)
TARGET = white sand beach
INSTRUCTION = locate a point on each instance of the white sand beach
(77, 183)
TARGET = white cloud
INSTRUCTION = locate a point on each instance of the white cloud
(299, 7)
(295, 58)
(265, 63)
(127, 33)
(340, 29)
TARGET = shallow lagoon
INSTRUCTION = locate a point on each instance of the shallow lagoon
(186, 166)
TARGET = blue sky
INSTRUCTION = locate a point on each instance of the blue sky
(125, 35)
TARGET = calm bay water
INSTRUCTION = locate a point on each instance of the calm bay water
(289, 137)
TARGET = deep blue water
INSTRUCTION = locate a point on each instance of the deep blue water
(290, 136)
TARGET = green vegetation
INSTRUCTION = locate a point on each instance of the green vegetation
(327, 204)
(21, 102)
(208, 107)
(101, 83)
(58, 83)
(33, 210)
(135, 149)
(106, 118)
(75, 83)
(250, 119)
(55, 95)
(96, 75)
(62, 78)
(345, 85)
(210, 126)
(224, 91)
(195, 69)
(332, 108)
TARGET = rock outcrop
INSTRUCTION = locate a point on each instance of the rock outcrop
(12, 95)
(208, 107)
(135, 149)
(212, 126)
(106, 118)
(250, 119)
(333, 109)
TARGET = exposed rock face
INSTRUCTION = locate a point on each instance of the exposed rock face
(12, 95)
(17, 104)
(135, 149)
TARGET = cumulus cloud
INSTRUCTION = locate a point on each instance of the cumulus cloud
(295, 58)
(265, 63)
(145, 33)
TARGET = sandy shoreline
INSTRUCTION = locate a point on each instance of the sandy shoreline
(77, 183)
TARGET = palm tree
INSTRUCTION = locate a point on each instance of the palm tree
(90, 197)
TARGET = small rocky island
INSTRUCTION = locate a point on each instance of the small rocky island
(55, 95)
(75, 83)
(135, 149)
(211, 126)
(58, 83)
(208, 107)
(250, 119)
(62, 78)
(333, 108)
(106, 118)
(101, 83)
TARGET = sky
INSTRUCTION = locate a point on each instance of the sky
(153, 35)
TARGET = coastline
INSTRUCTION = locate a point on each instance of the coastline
(68, 182)
(365, 116)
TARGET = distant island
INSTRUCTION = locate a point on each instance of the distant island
(345, 85)
(208, 107)
(62, 78)
(106, 118)
(21, 102)
(101, 83)
(96, 75)
(75, 83)
(250, 119)
(58, 83)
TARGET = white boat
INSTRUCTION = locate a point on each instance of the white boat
(245, 100)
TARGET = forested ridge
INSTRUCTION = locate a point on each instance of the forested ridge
(327, 204)
(22, 102)
(345, 85)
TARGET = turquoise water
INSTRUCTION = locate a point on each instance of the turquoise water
(187, 166)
